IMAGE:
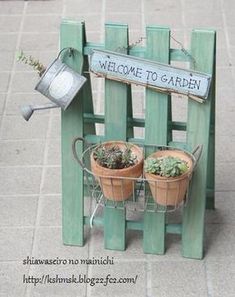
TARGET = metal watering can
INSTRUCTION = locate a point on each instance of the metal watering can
(59, 83)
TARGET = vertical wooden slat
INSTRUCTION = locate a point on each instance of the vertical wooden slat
(72, 35)
(116, 98)
(198, 130)
(87, 92)
(130, 129)
(210, 199)
(156, 132)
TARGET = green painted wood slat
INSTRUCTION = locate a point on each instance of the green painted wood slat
(72, 34)
(134, 225)
(210, 201)
(139, 51)
(156, 131)
(198, 132)
(117, 107)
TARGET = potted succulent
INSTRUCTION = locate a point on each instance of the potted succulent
(116, 164)
(168, 173)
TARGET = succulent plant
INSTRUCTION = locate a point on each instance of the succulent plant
(165, 166)
(114, 157)
(29, 60)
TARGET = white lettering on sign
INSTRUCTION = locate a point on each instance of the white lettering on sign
(164, 77)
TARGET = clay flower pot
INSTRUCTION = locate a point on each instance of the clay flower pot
(118, 184)
(170, 190)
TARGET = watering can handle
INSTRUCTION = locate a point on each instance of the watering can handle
(71, 50)
(197, 152)
(75, 152)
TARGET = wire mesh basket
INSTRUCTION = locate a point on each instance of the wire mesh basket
(139, 192)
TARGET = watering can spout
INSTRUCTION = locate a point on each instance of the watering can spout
(27, 110)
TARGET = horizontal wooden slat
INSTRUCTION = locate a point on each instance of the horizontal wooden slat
(138, 51)
(134, 122)
(134, 225)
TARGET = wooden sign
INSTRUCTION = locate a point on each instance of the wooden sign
(151, 74)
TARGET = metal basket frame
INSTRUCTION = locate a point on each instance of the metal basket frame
(141, 199)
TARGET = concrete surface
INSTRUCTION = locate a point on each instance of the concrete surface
(30, 188)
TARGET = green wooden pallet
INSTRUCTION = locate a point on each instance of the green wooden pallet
(79, 120)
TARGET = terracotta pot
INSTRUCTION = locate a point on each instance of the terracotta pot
(170, 190)
(113, 187)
